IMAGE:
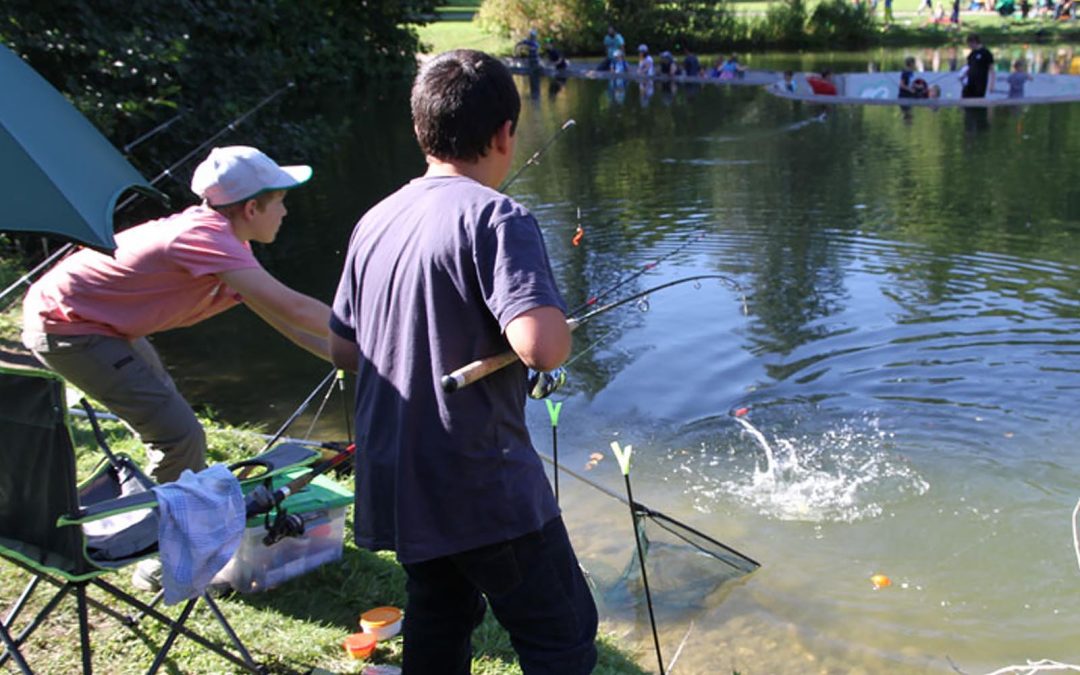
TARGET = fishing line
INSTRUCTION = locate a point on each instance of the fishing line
(535, 158)
(625, 280)
(63, 250)
(481, 368)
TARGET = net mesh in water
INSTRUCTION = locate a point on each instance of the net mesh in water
(685, 566)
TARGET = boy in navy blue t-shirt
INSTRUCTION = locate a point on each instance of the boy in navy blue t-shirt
(443, 272)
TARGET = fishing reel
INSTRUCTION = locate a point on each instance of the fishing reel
(544, 384)
(283, 525)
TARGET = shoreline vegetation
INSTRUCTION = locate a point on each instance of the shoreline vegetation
(576, 26)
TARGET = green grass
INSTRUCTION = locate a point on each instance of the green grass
(441, 36)
(294, 628)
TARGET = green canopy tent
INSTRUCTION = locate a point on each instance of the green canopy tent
(58, 174)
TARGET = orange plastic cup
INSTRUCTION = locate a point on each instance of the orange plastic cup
(382, 622)
(360, 645)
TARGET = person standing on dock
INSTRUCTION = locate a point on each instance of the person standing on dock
(613, 42)
(444, 271)
(980, 70)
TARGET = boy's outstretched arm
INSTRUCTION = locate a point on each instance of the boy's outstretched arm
(299, 317)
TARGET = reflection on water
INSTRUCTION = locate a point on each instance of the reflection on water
(910, 357)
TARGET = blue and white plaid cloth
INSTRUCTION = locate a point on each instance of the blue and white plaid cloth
(202, 525)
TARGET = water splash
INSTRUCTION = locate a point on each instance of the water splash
(843, 474)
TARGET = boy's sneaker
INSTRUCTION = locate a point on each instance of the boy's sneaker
(147, 575)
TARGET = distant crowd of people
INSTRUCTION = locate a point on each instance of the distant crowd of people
(977, 76)
(667, 64)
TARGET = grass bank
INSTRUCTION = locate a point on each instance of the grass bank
(294, 628)
(297, 627)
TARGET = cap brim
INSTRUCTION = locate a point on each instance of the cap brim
(298, 175)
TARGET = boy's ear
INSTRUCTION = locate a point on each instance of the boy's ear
(502, 139)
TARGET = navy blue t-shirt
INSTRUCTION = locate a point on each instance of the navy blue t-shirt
(433, 275)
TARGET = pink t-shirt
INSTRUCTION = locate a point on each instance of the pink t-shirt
(162, 276)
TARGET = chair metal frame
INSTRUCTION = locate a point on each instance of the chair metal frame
(85, 573)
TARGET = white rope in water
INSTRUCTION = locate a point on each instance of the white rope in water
(1076, 531)
(1032, 667)
(1046, 665)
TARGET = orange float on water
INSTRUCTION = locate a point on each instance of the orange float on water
(880, 581)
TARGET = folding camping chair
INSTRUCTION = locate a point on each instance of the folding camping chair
(73, 535)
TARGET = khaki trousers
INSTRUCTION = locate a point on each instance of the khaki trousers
(127, 376)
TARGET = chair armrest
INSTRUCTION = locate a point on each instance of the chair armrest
(283, 457)
(108, 508)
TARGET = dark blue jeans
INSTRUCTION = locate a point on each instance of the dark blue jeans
(536, 590)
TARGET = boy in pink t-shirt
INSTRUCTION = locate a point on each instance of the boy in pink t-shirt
(89, 316)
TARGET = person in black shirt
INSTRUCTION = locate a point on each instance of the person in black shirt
(690, 64)
(980, 70)
(906, 75)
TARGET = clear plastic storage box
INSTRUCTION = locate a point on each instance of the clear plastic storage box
(257, 567)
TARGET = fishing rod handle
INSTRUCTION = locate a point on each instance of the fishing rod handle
(481, 368)
(477, 370)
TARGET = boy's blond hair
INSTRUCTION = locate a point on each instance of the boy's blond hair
(262, 199)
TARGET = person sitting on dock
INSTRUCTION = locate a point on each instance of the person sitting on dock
(787, 83)
(619, 64)
(822, 85)
(731, 70)
(645, 62)
(554, 56)
(668, 66)
(613, 42)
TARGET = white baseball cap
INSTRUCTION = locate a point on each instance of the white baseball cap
(236, 173)
(643, 48)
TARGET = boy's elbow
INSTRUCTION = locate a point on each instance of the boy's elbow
(547, 356)
(541, 338)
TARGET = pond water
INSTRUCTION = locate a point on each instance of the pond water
(910, 355)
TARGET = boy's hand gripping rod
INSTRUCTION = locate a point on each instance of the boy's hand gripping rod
(481, 368)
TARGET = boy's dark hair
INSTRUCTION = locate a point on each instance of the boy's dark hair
(973, 38)
(459, 100)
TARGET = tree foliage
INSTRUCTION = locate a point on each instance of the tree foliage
(579, 25)
(127, 66)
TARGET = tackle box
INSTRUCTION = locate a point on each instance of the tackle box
(257, 567)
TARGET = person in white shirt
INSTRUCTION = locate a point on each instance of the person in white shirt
(645, 62)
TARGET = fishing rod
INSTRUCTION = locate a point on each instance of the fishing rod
(481, 368)
(325, 445)
(535, 159)
(625, 280)
(262, 499)
(300, 410)
(60, 252)
(153, 132)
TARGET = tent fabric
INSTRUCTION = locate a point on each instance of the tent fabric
(58, 174)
